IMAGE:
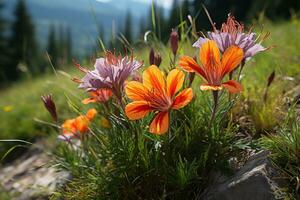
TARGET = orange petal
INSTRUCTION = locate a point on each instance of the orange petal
(210, 53)
(136, 91)
(89, 100)
(190, 65)
(153, 78)
(137, 110)
(210, 87)
(231, 58)
(183, 98)
(68, 126)
(160, 123)
(81, 123)
(91, 113)
(175, 80)
(233, 86)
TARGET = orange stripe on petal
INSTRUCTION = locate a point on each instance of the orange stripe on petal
(188, 64)
(183, 98)
(153, 78)
(137, 110)
(160, 123)
(175, 81)
(135, 91)
(232, 57)
(210, 87)
(210, 53)
(233, 86)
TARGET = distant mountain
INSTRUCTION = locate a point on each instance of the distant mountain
(82, 16)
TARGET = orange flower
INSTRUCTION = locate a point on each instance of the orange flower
(100, 95)
(213, 68)
(157, 93)
(80, 124)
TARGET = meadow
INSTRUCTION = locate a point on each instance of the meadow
(255, 121)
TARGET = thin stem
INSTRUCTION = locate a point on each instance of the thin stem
(241, 69)
(215, 106)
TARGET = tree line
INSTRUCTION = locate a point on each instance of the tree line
(244, 10)
(20, 52)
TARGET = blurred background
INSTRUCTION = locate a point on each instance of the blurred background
(69, 29)
(37, 36)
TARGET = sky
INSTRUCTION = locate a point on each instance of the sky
(165, 3)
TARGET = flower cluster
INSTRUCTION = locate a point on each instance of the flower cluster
(158, 92)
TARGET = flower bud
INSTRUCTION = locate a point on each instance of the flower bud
(174, 41)
(50, 106)
(154, 58)
(151, 57)
(271, 78)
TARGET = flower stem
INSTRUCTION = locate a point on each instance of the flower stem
(215, 106)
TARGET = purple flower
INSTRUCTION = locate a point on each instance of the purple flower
(232, 33)
(110, 72)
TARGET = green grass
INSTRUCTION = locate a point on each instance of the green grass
(285, 148)
(21, 107)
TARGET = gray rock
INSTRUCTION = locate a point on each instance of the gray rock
(256, 180)
(32, 176)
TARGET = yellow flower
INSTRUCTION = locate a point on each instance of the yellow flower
(7, 108)
(104, 122)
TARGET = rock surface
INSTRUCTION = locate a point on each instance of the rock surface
(256, 180)
(31, 176)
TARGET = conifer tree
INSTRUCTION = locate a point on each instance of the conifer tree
(69, 44)
(174, 18)
(128, 27)
(22, 42)
(142, 27)
(52, 45)
(4, 59)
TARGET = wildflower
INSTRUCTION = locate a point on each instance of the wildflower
(50, 106)
(74, 127)
(91, 113)
(110, 72)
(154, 58)
(213, 68)
(174, 41)
(157, 93)
(105, 122)
(7, 108)
(232, 33)
(100, 95)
